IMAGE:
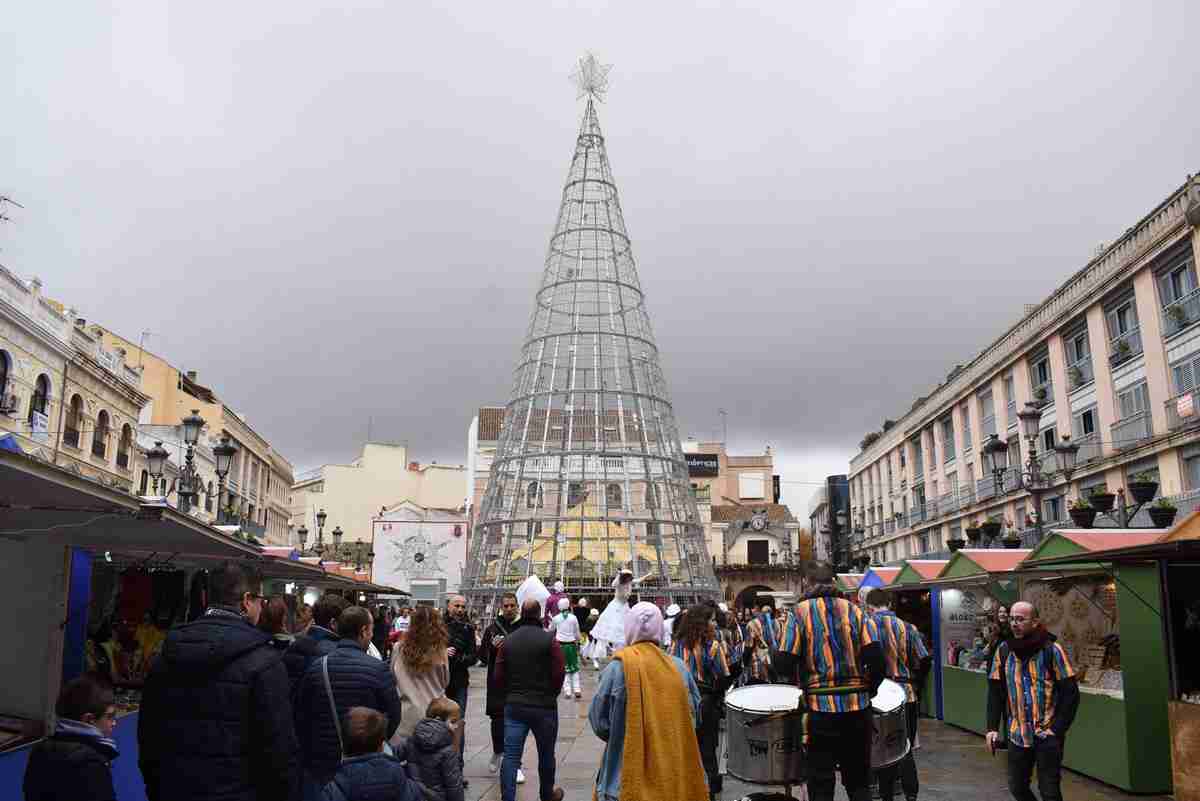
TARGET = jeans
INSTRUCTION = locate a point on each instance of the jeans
(497, 735)
(709, 734)
(906, 768)
(459, 696)
(519, 721)
(1047, 754)
(839, 741)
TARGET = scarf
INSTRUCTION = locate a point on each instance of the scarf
(1025, 647)
(84, 731)
(661, 757)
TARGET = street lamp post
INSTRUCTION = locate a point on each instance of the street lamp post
(189, 479)
(156, 460)
(1033, 478)
(319, 547)
(223, 456)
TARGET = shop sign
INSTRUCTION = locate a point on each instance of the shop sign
(703, 465)
(1185, 405)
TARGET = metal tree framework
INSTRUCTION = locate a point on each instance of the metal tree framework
(589, 475)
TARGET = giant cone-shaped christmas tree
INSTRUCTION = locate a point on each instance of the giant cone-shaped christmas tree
(589, 475)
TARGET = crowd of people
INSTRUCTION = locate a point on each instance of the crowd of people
(362, 705)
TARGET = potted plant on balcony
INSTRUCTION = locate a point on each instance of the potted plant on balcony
(1076, 377)
(1177, 316)
(1083, 513)
(1039, 396)
(1142, 487)
(1121, 352)
(1101, 499)
(955, 544)
(990, 528)
(1163, 512)
(972, 532)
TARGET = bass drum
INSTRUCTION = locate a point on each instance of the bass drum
(764, 734)
(890, 742)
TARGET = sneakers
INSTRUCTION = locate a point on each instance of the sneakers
(494, 765)
(520, 776)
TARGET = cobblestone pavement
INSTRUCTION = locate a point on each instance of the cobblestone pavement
(953, 764)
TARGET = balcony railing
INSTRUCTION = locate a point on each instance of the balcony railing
(916, 515)
(99, 447)
(1080, 373)
(71, 437)
(889, 526)
(1124, 347)
(948, 504)
(1131, 431)
(1183, 410)
(123, 460)
(1089, 449)
(1181, 313)
(1011, 411)
(985, 488)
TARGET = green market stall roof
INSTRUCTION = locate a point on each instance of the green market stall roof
(1181, 541)
(918, 571)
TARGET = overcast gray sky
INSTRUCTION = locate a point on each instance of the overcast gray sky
(339, 212)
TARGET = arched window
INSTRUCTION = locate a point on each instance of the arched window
(533, 495)
(74, 422)
(100, 435)
(125, 446)
(40, 400)
(612, 495)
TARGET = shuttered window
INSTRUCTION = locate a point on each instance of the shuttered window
(1083, 423)
(1077, 347)
(1133, 401)
(1177, 282)
(1122, 319)
(1186, 374)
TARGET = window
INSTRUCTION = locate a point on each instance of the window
(948, 439)
(1186, 374)
(965, 413)
(1191, 471)
(5, 367)
(758, 552)
(1133, 401)
(1048, 441)
(903, 457)
(1177, 282)
(1041, 370)
(750, 485)
(40, 401)
(1077, 348)
(612, 495)
(533, 495)
(1083, 424)
(923, 541)
(144, 486)
(1053, 509)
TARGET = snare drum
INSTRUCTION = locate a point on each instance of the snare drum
(764, 734)
(890, 742)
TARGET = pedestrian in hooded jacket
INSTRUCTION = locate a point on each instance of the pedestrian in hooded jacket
(216, 716)
(366, 773)
(432, 752)
(74, 763)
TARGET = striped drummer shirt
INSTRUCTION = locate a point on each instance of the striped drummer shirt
(1030, 685)
(903, 650)
(827, 635)
(706, 662)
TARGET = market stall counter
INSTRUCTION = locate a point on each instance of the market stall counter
(920, 604)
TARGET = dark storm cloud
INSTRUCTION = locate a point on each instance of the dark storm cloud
(337, 214)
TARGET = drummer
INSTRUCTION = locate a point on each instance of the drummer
(697, 644)
(756, 655)
(830, 648)
(906, 662)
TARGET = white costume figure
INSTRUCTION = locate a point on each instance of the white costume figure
(669, 624)
(610, 628)
(566, 631)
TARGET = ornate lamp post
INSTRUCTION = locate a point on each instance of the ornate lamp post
(189, 480)
(223, 456)
(319, 548)
(156, 460)
(302, 535)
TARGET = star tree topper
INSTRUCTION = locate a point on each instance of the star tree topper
(591, 77)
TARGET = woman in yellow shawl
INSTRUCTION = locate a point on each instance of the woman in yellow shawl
(645, 710)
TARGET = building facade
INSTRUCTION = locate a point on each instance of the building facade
(1112, 361)
(64, 397)
(353, 495)
(420, 550)
(829, 522)
(260, 476)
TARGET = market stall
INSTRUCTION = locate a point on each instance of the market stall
(1139, 675)
(919, 604)
(848, 583)
(878, 577)
(970, 586)
(92, 577)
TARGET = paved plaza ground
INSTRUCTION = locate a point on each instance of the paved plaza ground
(953, 764)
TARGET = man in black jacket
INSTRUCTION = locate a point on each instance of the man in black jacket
(75, 762)
(530, 667)
(355, 679)
(462, 656)
(216, 717)
(493, 637)
(1031, 664)
(319, 640)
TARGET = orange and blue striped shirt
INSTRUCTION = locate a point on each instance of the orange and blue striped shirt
(1030, 686)
(903, 650)
(828, 634)
(707, 662)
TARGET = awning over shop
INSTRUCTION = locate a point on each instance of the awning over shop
(879, 577)
(1181, 541)
(918, 571)
(848, 582)
(980, 563)
(39, 501)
